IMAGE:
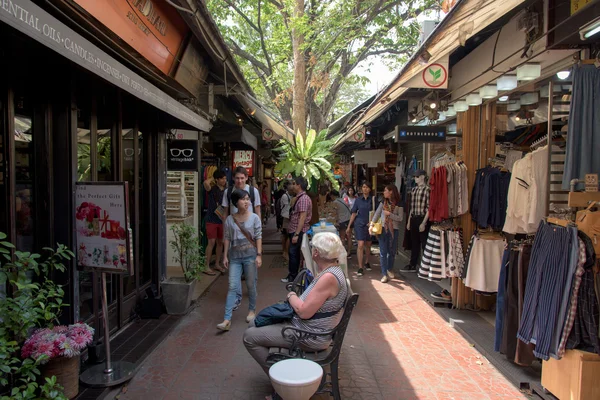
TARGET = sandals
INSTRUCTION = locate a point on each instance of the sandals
(209, 272)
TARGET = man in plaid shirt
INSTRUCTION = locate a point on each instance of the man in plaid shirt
(300, 216)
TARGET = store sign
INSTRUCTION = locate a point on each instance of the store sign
(36, 23)
(244, 158)
(182, 155)
(359, 136)
(268, 134)
(152, 27)
(422, 134)
(577, 5)
(434, 76)
(102, 226)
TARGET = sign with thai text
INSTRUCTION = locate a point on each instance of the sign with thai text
(422, 134)
(36, 23)
(152, 27)
(102, 226)
(244, 158)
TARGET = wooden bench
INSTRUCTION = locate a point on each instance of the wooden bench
(328, 357)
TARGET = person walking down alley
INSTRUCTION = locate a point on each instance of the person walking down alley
(240, 181)
(284, 208)
(360, 219)
(215, 187)
(342, 218)
(242, 253)
(300, 216)
(390, 215)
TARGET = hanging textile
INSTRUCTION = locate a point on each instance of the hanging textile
(443, 255)
(484, 260)
(560, 307)
(489, 197)
(583, 139)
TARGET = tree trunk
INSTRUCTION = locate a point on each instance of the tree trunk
(299, 89)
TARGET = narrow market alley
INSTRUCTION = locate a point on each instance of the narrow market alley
(396, 347)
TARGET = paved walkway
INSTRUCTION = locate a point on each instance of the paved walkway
(396, 347)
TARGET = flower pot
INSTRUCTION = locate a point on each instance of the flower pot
(177, 295)
(66, 371)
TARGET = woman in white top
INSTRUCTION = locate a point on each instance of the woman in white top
(350, 197)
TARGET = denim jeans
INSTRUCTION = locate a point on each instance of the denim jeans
(236, 266)
(295, 256)
(500, 299)
(388, 242)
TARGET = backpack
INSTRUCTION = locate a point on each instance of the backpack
(250, 192)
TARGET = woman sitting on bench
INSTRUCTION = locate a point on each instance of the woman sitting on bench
(318, 309)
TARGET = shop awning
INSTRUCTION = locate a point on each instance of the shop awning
(230, 133)
(465, 20)
(28, 18)
(266, 118)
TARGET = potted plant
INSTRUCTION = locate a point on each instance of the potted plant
(33, 301)
(178, 291)
(58, 350)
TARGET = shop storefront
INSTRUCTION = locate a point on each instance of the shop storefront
(70, 113)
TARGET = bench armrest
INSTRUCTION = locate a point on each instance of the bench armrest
(298, 336)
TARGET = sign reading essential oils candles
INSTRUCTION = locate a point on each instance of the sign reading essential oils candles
(102, 226)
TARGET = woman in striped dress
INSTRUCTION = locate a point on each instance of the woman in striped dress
(318, 309)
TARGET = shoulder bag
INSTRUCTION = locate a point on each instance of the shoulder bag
(377, 226)
(244, 232)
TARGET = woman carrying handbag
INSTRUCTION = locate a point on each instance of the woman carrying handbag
(386, 223)
(242, 253)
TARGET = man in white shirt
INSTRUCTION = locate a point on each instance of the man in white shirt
(284, 204)
(240, 177)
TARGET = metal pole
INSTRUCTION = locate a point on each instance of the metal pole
(108, 369)
(549, 150)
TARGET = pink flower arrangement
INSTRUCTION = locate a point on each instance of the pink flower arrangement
(87, 212)
(61, 341)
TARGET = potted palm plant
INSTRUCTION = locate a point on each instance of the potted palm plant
(178, 291)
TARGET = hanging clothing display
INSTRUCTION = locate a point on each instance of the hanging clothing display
(489, 197)
(483, 264)
(560, 307)
(449, 193)
(443, 254)
(527, 199)
(509, 304)
(583, 144)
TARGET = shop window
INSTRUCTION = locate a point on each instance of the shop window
(130, 156)
(24, 173)
(144, 229)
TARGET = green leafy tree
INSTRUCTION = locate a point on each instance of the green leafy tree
(310, 158)
(298, 54)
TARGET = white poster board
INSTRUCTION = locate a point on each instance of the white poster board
(102, 226)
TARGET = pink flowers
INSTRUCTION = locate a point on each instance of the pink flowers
(87, 212)
(61, 341)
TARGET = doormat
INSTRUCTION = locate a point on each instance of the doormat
(278, 262)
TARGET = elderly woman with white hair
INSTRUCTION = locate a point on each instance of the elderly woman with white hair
(318, 309)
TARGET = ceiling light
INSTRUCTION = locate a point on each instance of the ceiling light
(488, 92)
(461, 106)
(529, 98)
(414, 121)
(433, 105)
(450, 112)
(589, 30)
(563, 74)
(503, 99)
(517, 118)
(507, 82)
(529, 71)
(474, 99)
(514, 106)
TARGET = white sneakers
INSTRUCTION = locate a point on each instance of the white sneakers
(250, 316)
(224, 326)
(385, 279)
(391, 275)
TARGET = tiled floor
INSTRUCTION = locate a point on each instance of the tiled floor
(396, 347)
